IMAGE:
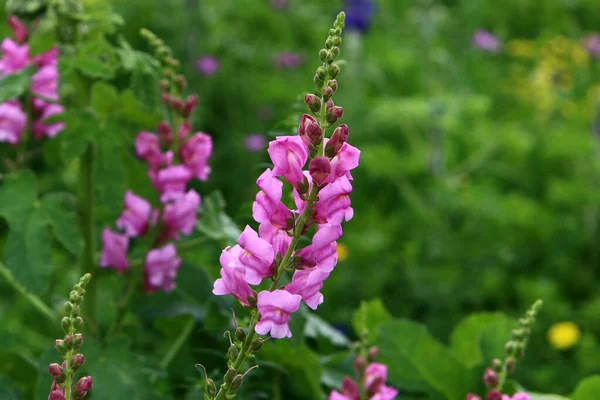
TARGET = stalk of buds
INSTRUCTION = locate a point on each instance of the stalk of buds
(174, 157)
(496, 374)
(321, 185)
(68, 347)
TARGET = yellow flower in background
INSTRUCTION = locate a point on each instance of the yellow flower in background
(342, 251)
(563, 335)
(521, 48)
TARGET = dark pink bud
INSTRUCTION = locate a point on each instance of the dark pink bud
(327, 93)
(78, 360)
(77, 341)
(373, 353)
(55, 370)
(494, 395)
(309, 130)
(472, 396)
(359, 365)
(490, 378)
(84, 385)
(176, 104)
(329, 104)
(19, 29)
(337, 140)
(313, 102)
(333, 84)
(334, 113)
(56, 395)
(189, 106)
(319, 169)
(164, 133)
(350, 388)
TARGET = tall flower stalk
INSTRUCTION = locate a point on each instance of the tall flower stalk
(318, 169)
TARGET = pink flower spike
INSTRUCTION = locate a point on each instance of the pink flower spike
(14, 57)
(345, 160)
(275, 308)
(171, 182)
(181, 214)
(161, 269)
(257, 256)
(135, 217)
(114, 250)
(279, 239)
(375, 377)
(308, 283)
(232, 279)
(288, 154)
(334, 202)
(41, 129)
(12, 122)
(195, 154)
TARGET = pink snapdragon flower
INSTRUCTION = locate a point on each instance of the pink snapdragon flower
(44, 83)
(288, 154)
(147, 147)
(275, 308)
(161, 269)
(12, 122)
(334, 202)
(114, 250)
(195, 154)
(485, 40)
(181, 214)
(375, 376)
(308, 284)
(279, 238)
(171, 182)
(345, 160)
(256, 257)
(233, 280)
(268, 206)
(136, 216)
(41, 128)
(15, 57)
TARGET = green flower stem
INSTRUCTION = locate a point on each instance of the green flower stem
(69, 376)
(134, 281)
(245, 350)
(88, 264)
(35, 301)
(176, 346)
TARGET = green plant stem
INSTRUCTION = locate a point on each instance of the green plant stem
(89, 233)
(69, 375)
(132, 284)
(35, 301)
(245, 350)
(176, 346)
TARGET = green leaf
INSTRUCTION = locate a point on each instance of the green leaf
(81, 127)
(14, 85)
(144, 82)
(17, 195)
(480, 337)
(43, 37)
(63, 221)
(316, 326)
(587, 389)
(28, 253)
(214, 222)
(8, 390)
(542, 396)
(96, 59)
(368, 317)
(417, 361)
(104, 98)
(109, 179)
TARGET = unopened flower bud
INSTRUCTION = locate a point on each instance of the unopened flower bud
(240, 334)
(472, 396)
(497, 364)
(68, 340)
(309, 130)
(494, 395)
(66, 324)
(517, 334)
(257, 344)
(313, 102)
(77, 341)
(327, 93)
(333, 84)
(211, 388)
(85, 279)
(55, 371)
(19, 29)
(336, 51)
(74, 297)
(510, 365)
(337, 41)
(237, 382)
(334, 114)
(229, 375)
(330, 57)
(68, 307)
(329, 105)
(319, 169)
(177, 104)
(84, 384)
(181, 82)
(77, 361)
(78, 324)
(510, 348)
(323, 55)
(189, 106)
(373, 353)
(333, 71)
(360, 364)
(490, 378)
(329, 43)
(59, 345)
(233, 352)
(163, 84)
(337, 140)
(164, 133)
(56, 395)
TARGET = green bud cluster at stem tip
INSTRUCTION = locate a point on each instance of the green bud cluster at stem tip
(495, 376)
(68, 347)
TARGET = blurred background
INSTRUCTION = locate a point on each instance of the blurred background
(479, 183)
(478, 187)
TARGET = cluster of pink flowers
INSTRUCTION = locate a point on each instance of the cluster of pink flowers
(44, 86)
(255, 256)
(373, 376)
(172, 164)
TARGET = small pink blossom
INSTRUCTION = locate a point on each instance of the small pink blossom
(345, 160)
(592, 45)
(287, 60)
(255, 142)
(181, 214)
(147, 147)
(41, 129)
(161, 269)
(308, 284)
(325, 257)
(375, 377)
(84, 385)
(275, 308)
(335, 395)
(385, 393)
(256, 257)
(232, 279)
(44, 83)
(334, 202)
(14, 57)
(195, 154)
(171, 182)
(268, 206)
(136, 216)
(114, 250)
(58, 394)
(208, 65)
(485, 40)
(12, 122)
(326, 234)
(48, 58)
(279, 238)
(350, 388)
(288, 154)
